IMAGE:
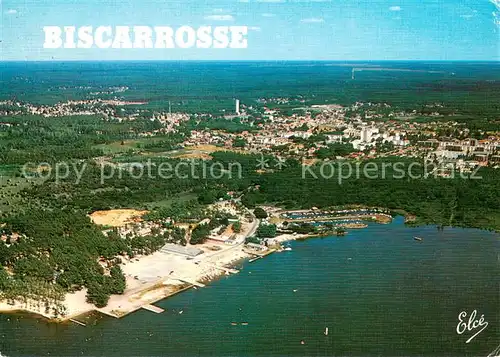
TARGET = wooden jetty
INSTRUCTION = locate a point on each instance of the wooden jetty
(254, 259)
(152, 308)
(77, 322)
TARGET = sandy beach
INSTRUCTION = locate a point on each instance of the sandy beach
(155, 277)
(149, 279)
(159, 275)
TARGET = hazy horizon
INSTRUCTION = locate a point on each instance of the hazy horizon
(327, 30)
(343, 61)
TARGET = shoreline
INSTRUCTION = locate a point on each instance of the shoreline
(156, 277)
(159, 290)
(136, 295)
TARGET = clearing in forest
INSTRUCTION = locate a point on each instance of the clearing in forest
(117, 217)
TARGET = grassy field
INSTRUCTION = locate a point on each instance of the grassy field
(202, 152)
(168, 201)
(117, 147)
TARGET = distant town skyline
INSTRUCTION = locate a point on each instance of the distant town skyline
(278, 29)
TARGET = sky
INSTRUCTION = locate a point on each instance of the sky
(278, 29)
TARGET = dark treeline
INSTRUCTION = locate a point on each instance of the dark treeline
(445, 201)
(62, 247)
(40, 139)
(125, 187)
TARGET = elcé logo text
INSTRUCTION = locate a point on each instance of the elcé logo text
(104, 37)
(472, 325)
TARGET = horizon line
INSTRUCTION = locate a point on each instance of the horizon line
(251, 60)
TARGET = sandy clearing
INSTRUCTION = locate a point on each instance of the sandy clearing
(117, 217)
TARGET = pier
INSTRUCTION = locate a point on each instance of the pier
(256, 258)
(258, 255)
(189, 281)
(152, 308)
(77, 322)
(136, 302)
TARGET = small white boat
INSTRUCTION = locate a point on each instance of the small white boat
(180, 312)
(288, 249)
(326, 331)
